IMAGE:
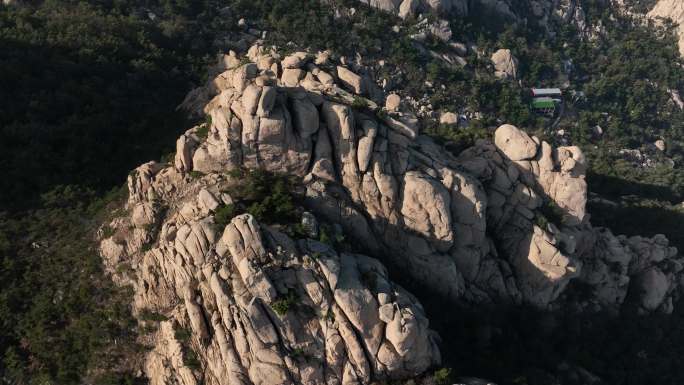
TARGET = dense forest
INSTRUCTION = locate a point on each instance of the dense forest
(89, 90)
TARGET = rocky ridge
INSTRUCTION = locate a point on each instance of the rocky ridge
(540, 12)
(501, 222)
(670, 9)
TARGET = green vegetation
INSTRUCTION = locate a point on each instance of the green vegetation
(332, 235)
(90, 88)
(183, 336)
(125, 268)
(298, 353)
(551, 212)
(525, 345)
(269, 197)
(330, 316)
(191, 360)
(456, 140)
(628, 99)
(282, 305)
(359, 103)
(59, 313)
(148, 315)
(89, 91)
(223, 215)
(203, 130)
(442, 376)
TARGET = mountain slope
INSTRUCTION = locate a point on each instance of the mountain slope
(498, 222)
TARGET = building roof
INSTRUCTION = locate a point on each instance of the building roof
(543, 103)
(546, 91)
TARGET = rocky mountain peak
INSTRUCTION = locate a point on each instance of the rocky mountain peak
(503, 221)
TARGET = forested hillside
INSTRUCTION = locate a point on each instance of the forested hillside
(87, 91)
(90, 89)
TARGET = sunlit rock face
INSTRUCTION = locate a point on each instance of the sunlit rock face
(503, 221)
(670, 9)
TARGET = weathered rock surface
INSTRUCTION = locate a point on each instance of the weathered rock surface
(541, 12)
(345, 322)
(505, 64)
(449, 118)
(500, 222)
(671, 9)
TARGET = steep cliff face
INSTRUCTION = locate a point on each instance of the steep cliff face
(501, 222)
(671, 9)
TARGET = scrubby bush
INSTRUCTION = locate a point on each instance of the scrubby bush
(181, 334)
(457, 139)
(359, 103)
(282, 305)
(203, 131)
(269, 197)
(222, 216)
(442, 376)
(149, 315)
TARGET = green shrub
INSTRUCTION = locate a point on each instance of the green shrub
(541, 221)
(323, 235)
(168, 158)
(203, 131)
(125, 268)
(267, 196)
(148, 328)
(181, 334)
(107, 231)
(442, 376)
(149, 315)
(116, 379)
(297, 352)
(223, 215)
(457, 138)
(191, 360)
(236, 173)
(285, 304)
(552, 212)
(58, 308)
(332, 236)
(297, 230)
(359, 103)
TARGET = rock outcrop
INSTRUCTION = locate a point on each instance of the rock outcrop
(541, 12)
(505, 64)
(500, 222)
(257, 307)
(674, 10)
(410, 8)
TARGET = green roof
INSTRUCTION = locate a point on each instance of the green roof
(543, 104)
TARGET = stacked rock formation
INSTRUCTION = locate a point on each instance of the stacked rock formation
(502, 222)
